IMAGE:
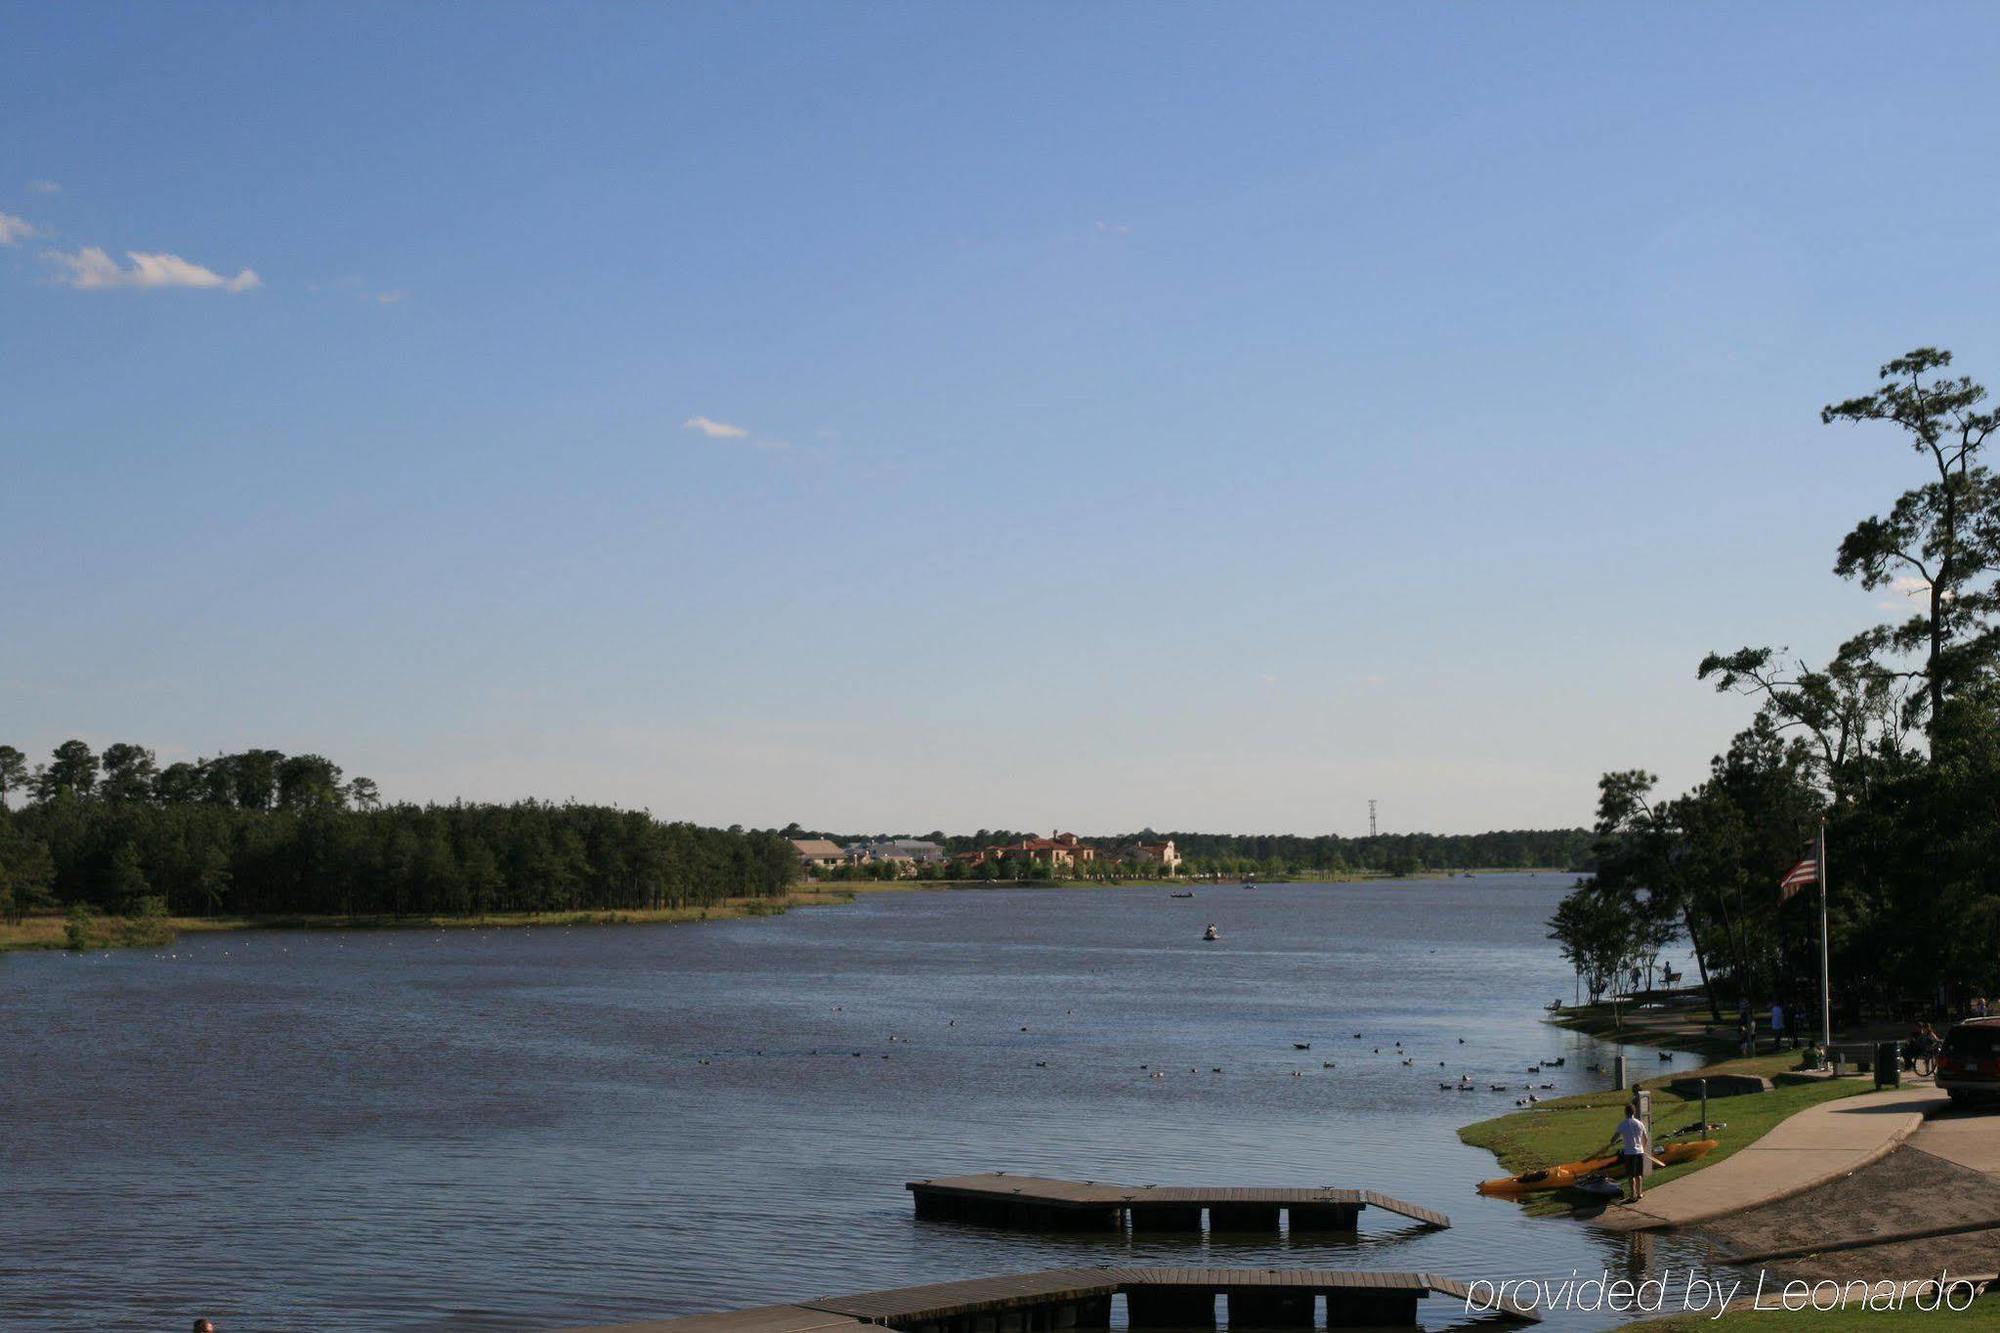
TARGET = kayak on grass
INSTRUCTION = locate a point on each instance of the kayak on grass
(1566, 1174)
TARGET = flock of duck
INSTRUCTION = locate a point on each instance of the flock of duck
(1464, 1083)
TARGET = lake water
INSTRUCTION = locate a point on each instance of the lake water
(505, 1129)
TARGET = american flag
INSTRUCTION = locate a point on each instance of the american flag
(1804, 873)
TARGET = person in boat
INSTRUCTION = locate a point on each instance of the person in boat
(1635, 1144)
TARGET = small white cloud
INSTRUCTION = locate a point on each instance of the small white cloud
(90, 269)
(715, 430)
(1905, 590)
(14, 230)
(391, 298)
(45, 187)
(1113, 228)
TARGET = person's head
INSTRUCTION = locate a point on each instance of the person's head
(1632, 1109)
(204, 1326)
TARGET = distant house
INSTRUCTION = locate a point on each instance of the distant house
(818, 853)
(1059, 852)
(1159, 854)
(908, 855)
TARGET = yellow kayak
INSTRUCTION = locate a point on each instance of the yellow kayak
(1568, 1173)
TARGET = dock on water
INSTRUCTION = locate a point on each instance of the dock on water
(1039, 1203)
(1057, 1300)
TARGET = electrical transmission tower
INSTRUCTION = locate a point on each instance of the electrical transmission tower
(1371, 819)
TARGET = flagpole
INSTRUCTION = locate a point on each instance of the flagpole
(1825, 991)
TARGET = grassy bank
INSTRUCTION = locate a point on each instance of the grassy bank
(50, 931)
(1567, 1129)
(1679, 1028)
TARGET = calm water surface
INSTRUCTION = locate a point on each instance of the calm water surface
(515, 1129)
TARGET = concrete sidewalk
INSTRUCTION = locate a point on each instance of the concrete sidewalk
(1819, 1144)
(1970, 1139)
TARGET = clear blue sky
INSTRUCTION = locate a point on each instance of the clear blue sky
(1188, 415)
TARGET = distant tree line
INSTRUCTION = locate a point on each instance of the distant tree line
(264, 833)
(1279, 854)
(1388, 853)
(1893, 745)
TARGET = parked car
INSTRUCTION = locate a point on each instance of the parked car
(1969, 1065)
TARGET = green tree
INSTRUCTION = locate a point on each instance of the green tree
(13, 772)
(27, 875)
(212, 880)
(1943, 536)
(125, 882)
(72, 769)
(178, 784)
(129, 771)
(1598, 935)
(76, 927)
(306, 781)
(253, 776)
(364, 794)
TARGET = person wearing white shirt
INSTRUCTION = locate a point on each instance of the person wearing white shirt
(1635, 1145)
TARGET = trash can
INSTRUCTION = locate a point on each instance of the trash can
(1888, 1064)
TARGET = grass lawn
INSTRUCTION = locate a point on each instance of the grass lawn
(1569, 1128)
(1983, 1313)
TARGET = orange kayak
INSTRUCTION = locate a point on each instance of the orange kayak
(1568, 1173)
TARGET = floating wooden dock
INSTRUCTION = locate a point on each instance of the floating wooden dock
(1056, 1300)
(1042, 1204)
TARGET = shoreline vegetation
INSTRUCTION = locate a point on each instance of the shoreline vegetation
(113, 850)
(1688, 1027)
(52, 930)
(95, 932)
(1854, 823)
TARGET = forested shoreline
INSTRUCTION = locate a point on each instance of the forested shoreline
(263, 834)
(1892, 745)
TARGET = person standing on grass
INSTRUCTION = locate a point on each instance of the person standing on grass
(1777, 1026)
(1635, 1144)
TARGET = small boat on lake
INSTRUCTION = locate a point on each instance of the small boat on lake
(1188, 894)
(1210, 933)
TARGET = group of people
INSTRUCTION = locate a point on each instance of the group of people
(1746, 1030)
(1920, 1047)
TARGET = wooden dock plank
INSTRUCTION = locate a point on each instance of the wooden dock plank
(1428, 1216)
(1045, 1191)
(904, 1306)
(760, 1319)
(970, 1295)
